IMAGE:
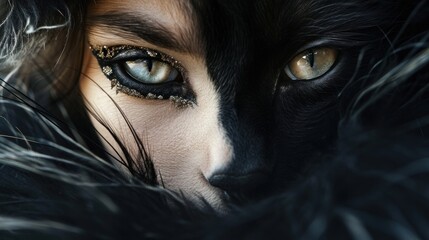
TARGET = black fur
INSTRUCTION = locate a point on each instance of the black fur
(348, 157)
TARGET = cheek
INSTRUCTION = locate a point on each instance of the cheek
(186, 144)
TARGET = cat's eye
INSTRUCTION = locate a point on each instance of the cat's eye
(311, 63)
(145, 73)
(150, 71)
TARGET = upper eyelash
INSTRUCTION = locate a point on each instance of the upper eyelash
(106, 54)
(109, 52)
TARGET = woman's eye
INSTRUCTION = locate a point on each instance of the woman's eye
(145, 73)
(150, 71)
(311, 63)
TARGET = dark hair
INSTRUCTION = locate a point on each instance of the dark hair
(43, 36)
(43, 46)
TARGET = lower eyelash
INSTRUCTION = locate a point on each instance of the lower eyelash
(179, 102)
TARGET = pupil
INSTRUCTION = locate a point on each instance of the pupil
(310, 57)
(149, 65)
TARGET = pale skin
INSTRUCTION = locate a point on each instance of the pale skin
(187, 144)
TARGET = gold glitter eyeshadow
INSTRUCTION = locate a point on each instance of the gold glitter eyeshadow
(107, 57)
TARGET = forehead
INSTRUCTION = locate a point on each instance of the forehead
(223, 24)
(172, 22)
(170, 10)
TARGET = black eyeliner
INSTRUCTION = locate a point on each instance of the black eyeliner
(111, 59)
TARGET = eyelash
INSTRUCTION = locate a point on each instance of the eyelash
(112, 60)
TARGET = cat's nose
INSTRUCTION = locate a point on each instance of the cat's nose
(239, 178)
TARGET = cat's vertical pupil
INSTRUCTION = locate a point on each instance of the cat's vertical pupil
(149, 65)
(310, 57)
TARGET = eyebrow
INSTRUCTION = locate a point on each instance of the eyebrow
(129, 25)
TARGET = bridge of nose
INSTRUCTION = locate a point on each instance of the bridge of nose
(247, 126)
(245, 80)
